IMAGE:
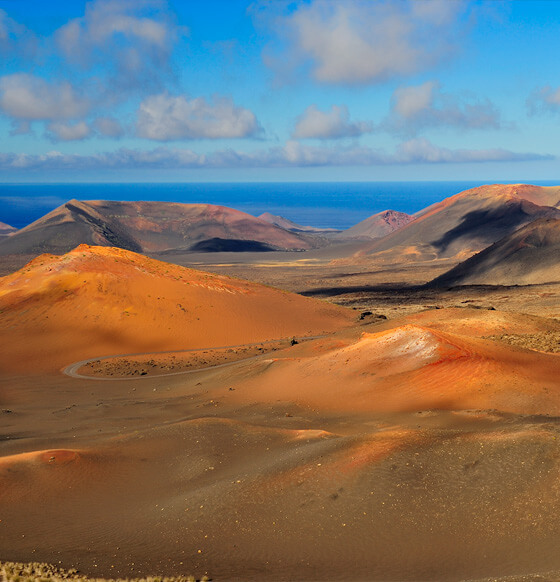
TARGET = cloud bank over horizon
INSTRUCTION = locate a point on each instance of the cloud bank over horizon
(291, 154)
(249, 84)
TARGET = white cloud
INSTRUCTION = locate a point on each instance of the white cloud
(105, 19)
(551, 96)
(422, 106)
(544, 100)
(299, 155)
(8, 27)
(126, 47)
(29, 98)
(108, 127)
(437, 12)
(15, 38)
(331, 124)
(360, 41)
(135, 37)
(60, 131)
(292, 154)
(165, 117)
(411, 101)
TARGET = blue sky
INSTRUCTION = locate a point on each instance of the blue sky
(230, 90)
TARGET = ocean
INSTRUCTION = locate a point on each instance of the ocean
(321, 204)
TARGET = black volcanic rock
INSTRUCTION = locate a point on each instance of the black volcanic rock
(232, 245)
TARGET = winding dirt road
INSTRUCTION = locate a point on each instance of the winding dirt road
(72, 369)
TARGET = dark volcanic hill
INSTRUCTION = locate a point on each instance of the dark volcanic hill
(6, 230)
(468, 222)
(149, 227)
(531, 255)
(378, 225)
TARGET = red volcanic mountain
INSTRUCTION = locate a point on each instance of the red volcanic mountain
(378, 225)
(468, 222)
(150, 227)
(528, 256)
(97, 301)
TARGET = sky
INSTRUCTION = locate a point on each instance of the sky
(315, 90)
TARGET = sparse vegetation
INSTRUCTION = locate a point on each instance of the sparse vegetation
(42, 572)
(547, 341)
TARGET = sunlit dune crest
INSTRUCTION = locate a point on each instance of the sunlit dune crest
(97, 301)
(411, 368)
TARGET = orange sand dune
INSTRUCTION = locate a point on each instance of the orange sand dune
(98, 301)
(409, 368)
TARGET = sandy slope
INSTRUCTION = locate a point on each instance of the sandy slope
(98, 301)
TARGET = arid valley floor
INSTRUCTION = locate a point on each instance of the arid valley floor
(375, 407)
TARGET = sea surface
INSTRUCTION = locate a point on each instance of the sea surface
(322, 204)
